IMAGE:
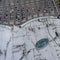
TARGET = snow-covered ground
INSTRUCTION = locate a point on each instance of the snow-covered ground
(20, 43)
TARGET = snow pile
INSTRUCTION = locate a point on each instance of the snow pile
(19, 43)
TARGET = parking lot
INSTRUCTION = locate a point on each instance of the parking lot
(20, 11)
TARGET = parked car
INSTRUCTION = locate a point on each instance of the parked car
(58, 16)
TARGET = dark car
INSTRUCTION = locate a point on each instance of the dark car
(58, 16)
